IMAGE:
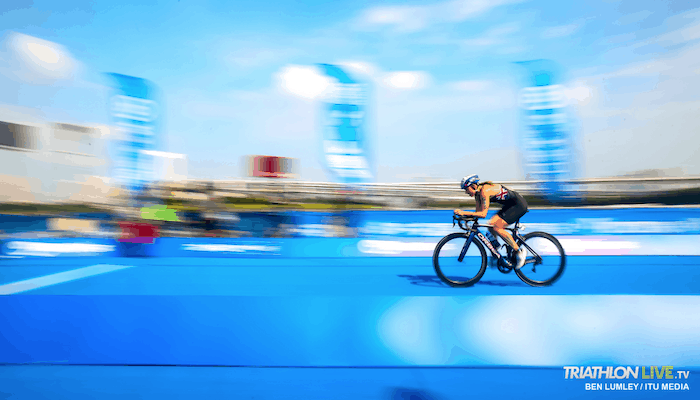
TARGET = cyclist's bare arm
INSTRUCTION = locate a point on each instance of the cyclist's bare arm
(482, 202)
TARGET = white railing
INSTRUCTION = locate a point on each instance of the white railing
(290, 190)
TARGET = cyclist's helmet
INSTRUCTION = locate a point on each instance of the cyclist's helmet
(468, 181)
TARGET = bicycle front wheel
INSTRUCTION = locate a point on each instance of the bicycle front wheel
(545, 260)
(455, 266)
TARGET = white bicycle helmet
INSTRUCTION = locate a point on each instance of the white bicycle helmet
(468, 181)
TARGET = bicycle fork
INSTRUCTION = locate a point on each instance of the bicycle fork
(466, 247)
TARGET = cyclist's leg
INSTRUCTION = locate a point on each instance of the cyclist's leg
(506, 216)
(509, 215)
(499, 225)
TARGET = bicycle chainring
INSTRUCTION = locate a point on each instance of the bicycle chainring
(503, 267)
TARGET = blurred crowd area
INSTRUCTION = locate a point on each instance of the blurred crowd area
(271, 224)
(271, 208)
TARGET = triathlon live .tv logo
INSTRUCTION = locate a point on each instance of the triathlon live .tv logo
(665, 377)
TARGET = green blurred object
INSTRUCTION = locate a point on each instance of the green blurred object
(160, 213)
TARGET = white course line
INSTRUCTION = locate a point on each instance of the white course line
(61, 277)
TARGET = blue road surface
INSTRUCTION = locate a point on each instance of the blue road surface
(605, 275)
(369, 328)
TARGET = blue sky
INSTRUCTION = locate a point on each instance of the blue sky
(632, 71)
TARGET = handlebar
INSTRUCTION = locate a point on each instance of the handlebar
(459, 219)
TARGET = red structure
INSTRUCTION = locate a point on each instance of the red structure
(138, 232)
(272, 167)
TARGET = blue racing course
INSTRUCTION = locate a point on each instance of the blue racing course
(345, 318)
(403, 276)
(319, 312)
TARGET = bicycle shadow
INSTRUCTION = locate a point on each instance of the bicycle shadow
(434, 281)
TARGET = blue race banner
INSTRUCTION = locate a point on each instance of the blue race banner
(343, 123)
(135, 112)
(547, 132)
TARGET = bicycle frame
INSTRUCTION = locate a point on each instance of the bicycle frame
(475, 232)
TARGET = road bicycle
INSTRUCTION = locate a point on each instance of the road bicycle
(460, 258)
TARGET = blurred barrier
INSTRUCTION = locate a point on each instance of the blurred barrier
(646, 231)
(618, 245)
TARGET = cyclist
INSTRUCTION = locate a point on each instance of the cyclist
(513, 204)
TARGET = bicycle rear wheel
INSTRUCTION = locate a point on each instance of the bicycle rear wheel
(546, 265)
(453, 271)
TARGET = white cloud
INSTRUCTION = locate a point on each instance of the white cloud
(309, 82)
(560, 31)
(303, 81)
(416, 18)
(37, 59)
(407, 80)
(578, 92)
